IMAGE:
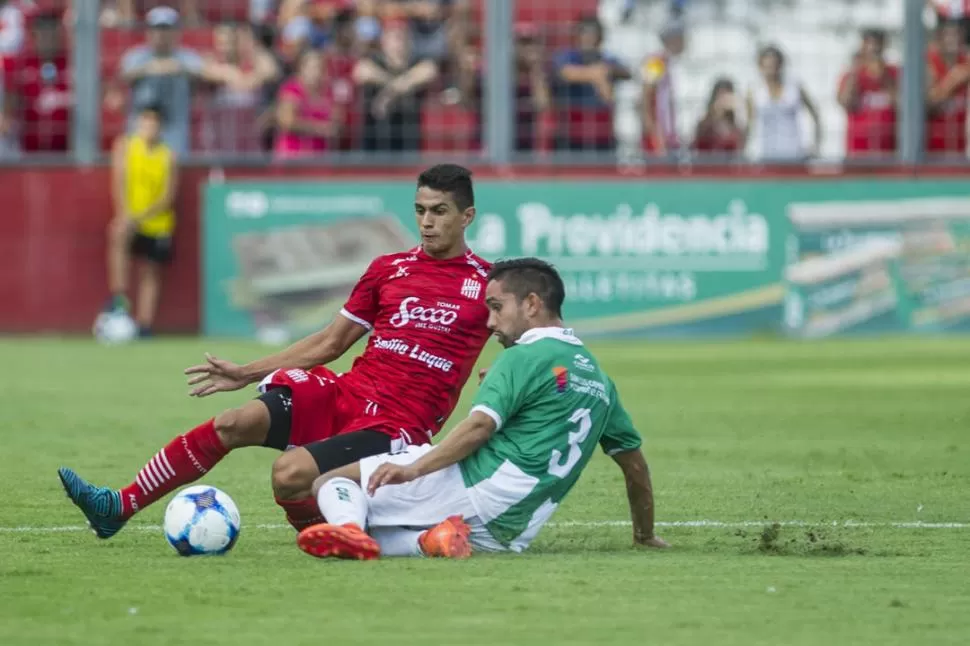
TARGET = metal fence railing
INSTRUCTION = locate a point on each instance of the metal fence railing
(732, 81)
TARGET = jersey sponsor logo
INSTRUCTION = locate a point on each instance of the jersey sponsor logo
(402, 272)
(436, 318)
(405, 349)
(583, 363)
(562, 379)
(471, 288)
(589, 387)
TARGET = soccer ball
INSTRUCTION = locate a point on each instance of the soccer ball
(201, 520)
(114, 328)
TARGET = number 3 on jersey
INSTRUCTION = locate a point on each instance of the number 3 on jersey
(559, 468)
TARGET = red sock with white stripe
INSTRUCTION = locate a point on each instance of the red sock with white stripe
(185, 459)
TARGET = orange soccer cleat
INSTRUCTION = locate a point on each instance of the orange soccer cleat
(338, 541)
(448, 539)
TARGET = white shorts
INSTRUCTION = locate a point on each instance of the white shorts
(424, 502)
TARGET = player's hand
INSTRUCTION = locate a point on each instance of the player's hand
(654, 542)
(390, 474)
(122, 226)
(215, 376)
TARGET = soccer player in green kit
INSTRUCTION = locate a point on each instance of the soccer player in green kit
(500, 474)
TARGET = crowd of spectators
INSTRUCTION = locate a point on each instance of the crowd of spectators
(299, 78)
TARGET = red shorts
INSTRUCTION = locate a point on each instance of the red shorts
(326, 404)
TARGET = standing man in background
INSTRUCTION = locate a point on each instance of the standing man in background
(949, 92)
(162, 73)
(658, 107)
(869, 94)
(144, 176)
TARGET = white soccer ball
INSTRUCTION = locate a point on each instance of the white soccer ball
(202, 520)
(114, 328)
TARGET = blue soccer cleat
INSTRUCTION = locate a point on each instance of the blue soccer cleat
(101, 506)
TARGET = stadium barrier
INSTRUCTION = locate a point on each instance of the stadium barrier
(602, 231)
(638, 257)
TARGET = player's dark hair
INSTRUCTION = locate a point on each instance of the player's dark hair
(453, 179)
(156, 108)
(524, 276)
(876, 34)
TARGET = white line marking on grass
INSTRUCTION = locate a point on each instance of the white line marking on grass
(699, 524)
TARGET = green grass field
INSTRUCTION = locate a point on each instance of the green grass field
(845, 445)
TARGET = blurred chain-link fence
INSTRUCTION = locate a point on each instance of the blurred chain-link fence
(732, 81)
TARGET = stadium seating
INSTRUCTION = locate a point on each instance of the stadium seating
(818, 37)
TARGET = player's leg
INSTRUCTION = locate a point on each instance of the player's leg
(262, 422)
(295, 471)
(344, 504)
(119, 261)
(149, 291)
(437, 501)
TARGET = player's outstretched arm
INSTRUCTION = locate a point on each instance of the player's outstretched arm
(639, 491)
(466, 438)
(218, 375)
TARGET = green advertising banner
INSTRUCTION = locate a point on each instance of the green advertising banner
(658, 258)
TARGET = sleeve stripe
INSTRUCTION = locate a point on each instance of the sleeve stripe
(356, 319)
(491, 413)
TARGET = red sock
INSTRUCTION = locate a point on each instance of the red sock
(301, 513)
(185, 459)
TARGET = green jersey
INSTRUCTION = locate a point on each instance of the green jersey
(552, 404)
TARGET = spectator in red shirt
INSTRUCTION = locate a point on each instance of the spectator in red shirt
(718, 132)
(949, 80)
(42, 90)
(869, 94)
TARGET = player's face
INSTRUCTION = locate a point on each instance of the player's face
(149, 126)
(506, 315)
(440, 223)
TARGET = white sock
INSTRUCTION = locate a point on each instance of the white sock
(342, 501)
(395, 541)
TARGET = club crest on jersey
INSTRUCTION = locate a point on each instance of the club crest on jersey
(562, 379)
(471, 289)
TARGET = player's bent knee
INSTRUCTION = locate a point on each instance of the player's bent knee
(293, 474)
(243, 426)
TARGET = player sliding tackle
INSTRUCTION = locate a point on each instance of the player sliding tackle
(427, 312)
(500, 474)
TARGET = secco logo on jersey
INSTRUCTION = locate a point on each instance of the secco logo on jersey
(436, 318)
(562, 378)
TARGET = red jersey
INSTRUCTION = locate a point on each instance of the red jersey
(871, 124)
(44, 91)
(946, 126)
(428, 320)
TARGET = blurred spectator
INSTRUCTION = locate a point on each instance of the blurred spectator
(532, 94)
(233, 109)
(13, 31)
(128, 10)
(869, 94)
(9, 141)
(718, 132)
(305, 113)
(427, 23)
(953, 11)
(658, 107)
(40, 88)
(949, 74)
(393, 82)
(774, 108)
(341, 57)
(583, 86)
(161, 72)
(144, 175)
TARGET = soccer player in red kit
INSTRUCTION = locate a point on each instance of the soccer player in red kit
(949, 75)
(868, 92)
(426, 311)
